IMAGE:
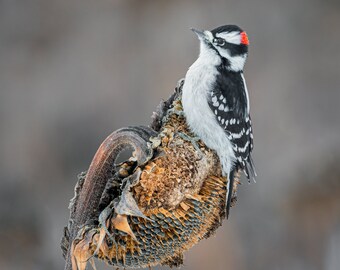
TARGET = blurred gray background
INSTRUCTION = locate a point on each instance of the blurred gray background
(71, 72)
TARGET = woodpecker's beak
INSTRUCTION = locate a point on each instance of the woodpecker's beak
(202, 35)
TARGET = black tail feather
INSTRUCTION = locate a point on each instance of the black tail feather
(246, 171)
(231, 179)
(251, 168)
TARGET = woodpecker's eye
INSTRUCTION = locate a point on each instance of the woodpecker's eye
(219, 41)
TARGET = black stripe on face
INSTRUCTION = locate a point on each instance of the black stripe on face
(235, 49)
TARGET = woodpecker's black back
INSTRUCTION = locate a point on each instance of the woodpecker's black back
(229, 103)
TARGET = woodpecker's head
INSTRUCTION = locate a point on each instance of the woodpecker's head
(228, 43)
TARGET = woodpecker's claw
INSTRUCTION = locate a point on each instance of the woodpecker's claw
(193, 141)
(172, 111)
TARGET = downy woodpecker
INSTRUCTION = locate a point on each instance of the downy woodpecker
(216, 102)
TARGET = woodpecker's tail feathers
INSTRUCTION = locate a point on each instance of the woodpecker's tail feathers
(231, 179)
(246, 171)
(250, 169)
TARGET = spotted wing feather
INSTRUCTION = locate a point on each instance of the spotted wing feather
(229, 102)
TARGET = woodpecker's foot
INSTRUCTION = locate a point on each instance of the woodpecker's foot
(193, 141)
(172, 111)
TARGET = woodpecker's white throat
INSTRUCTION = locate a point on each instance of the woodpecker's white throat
(215, 99)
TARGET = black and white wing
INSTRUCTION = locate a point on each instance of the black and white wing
(229, 102)
(239, 132)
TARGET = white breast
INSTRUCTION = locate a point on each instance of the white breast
(199, 80)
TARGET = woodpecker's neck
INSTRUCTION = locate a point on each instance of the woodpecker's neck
(235, 63)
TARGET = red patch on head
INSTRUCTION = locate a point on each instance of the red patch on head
(244, 38)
